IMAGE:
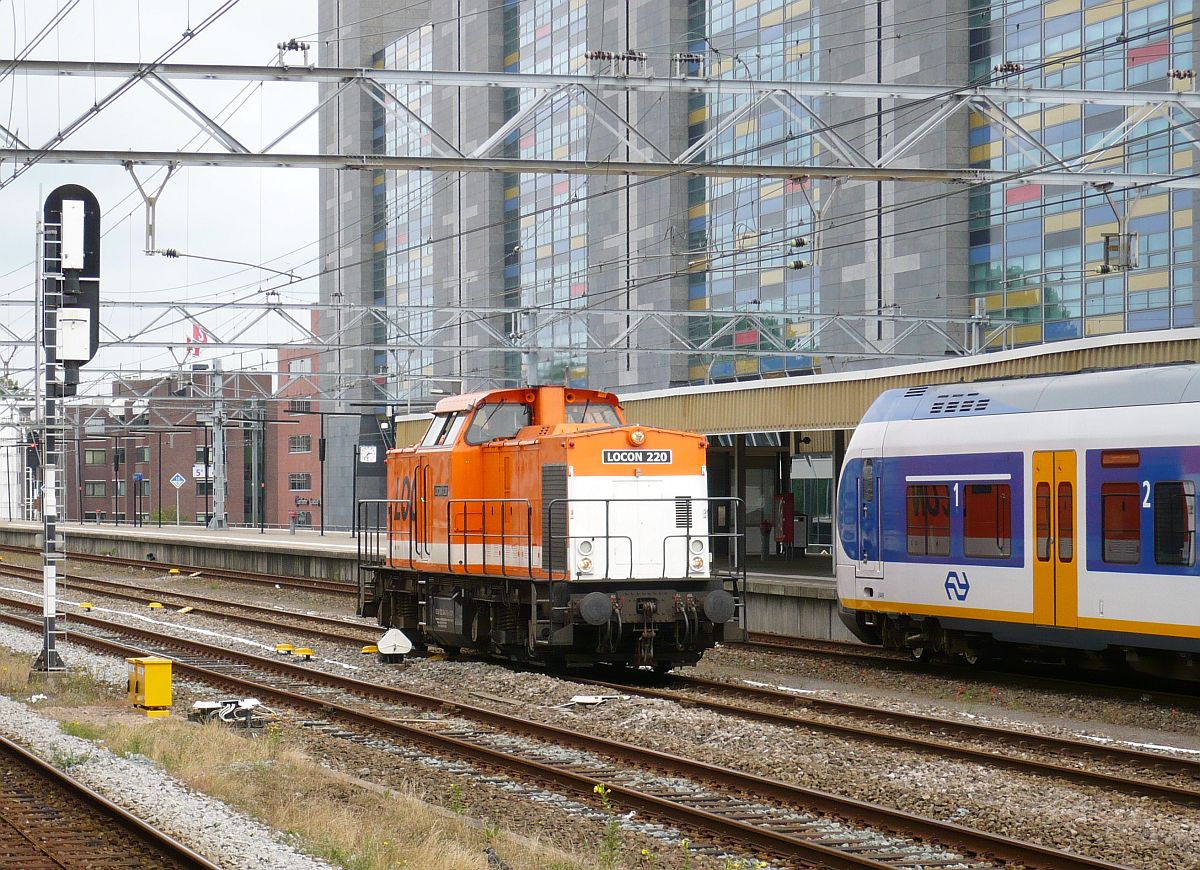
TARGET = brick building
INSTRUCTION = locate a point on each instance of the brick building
(294, 444)
(122, 453)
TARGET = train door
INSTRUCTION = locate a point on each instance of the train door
(422, 503)
(870, 560)
(1055, 575)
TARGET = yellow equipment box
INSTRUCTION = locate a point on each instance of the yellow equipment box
(150, 684)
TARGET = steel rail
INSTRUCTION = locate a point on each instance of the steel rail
(932, 724)
(1012, 676)
(165, 846)
(144, 594)
(971, 841)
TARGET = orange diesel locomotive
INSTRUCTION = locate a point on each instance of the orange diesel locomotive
(535, 524)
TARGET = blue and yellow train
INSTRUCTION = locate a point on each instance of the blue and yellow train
(1048, 513)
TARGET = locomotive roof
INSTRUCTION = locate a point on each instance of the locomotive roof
(467, 401)
(1161, 385)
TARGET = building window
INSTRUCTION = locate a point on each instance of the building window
(94, 489)
(204, 487)
(120, 486)
(119, 456)
(202, 455)
(202, 519)
(299, 406)
(928, 520)
(141, 487)
(299, 444)
(93, 457)
(1175, 522)
(300, 366)
(1120, 523)
(93, 516)
(304, 518)
(141, 454)
(299, 482)
(987, 520)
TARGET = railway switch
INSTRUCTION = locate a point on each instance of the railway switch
(150, 685)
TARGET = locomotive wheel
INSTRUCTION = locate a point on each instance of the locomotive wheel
(919, 653)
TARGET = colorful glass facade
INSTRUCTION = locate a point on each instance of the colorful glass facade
(546, 216)
(740, 229)
(1035, 250)
(403, 201)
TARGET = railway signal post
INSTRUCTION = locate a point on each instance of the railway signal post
(68, 259)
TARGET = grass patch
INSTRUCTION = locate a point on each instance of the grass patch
(77, 687)
(332, 817)
(83, 730)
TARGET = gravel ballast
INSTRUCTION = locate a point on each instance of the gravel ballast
(210, 827)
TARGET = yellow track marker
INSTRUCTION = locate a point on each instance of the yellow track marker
(173, 571)
(284, 649)
(86, 605)
(369, 649)
(155, 605)
(304, 652)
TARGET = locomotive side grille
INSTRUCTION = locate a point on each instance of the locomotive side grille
(913, 392)
(554, 518)
(683, 511)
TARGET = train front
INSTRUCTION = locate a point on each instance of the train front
(632, 531)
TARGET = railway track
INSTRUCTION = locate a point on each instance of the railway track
(1013, 675)
(49, 820)
(1179, 777)
(782, 820)
(915, 732)
(325, 627)
(308, 584)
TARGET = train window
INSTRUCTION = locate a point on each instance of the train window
(987, 520)
(1120, 523)
(1175, 522)
(1041, 521)
(1066, 523)
(591, 412)
(455, 427)
(439, 428)
(928, 520)
(503, 420)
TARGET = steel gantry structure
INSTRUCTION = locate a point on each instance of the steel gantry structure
(805, 102)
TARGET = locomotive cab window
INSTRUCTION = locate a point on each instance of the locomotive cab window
(987, 520)
(443, 430)
(928, 511)
(591, 412)
(1175, 522)
(1120, 522)
(503, 420)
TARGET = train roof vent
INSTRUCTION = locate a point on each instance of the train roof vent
(959, 403)
(913, 392)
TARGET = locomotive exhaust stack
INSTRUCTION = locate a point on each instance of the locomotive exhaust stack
(536, 525)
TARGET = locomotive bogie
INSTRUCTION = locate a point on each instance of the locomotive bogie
(1054, 517)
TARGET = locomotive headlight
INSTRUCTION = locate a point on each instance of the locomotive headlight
(585, 565)
(697, 545)
(637, 436)
(584, 547)
(697, 563)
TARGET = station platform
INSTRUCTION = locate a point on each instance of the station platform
(792, 598)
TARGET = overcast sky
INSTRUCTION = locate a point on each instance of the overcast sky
(265, 216)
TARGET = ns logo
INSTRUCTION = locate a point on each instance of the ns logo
(957, 586)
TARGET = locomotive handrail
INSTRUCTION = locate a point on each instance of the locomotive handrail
(484, 534)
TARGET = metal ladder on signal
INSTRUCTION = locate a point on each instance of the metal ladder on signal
(54, 425)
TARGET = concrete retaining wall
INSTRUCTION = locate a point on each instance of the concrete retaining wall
(794, 609)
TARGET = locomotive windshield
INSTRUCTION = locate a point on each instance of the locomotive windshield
(592, 412)
(444, 430)
(503, 420)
